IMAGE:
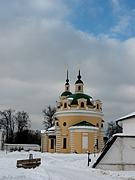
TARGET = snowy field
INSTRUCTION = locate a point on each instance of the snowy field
(56, 167)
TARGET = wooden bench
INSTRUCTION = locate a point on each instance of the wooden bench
(28, 163)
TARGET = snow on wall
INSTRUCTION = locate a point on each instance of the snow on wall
(120, 156)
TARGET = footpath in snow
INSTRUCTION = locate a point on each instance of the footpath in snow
(56, 167)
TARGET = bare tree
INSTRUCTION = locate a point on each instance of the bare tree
(22, 121)
(113, 128)
(48, 116)
(7, 122)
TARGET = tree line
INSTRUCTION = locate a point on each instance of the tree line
(16, 126)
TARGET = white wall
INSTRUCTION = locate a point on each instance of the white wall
(121, 155)
(128, 126)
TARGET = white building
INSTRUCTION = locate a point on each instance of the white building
(127, 123)
(119, 152)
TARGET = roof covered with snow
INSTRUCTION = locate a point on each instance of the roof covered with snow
(83, 127)
(51, 128)
(109, 144)
(43, 131)
(131, 115)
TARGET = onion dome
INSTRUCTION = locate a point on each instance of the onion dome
(67, 87)
(66, 93)
(79, 81)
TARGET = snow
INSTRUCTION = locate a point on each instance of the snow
(83, 127)
(51, 128)
(56, 167)
(43, 131)
(123, 134)
(126, 116)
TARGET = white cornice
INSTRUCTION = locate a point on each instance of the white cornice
(83, 129)
(78, 113)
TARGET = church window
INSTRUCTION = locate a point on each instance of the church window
(96, 144)
(57, 123)
(102, 125)
(67, 88)
(64, 143)
(82, 104)
(79, 88)
(64, 124)
(97, 106)
(52, 143)
(97, 125)
(65, 105)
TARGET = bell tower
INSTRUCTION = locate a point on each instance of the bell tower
(67, 86)
(79, 84)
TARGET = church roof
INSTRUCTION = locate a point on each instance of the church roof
(131, 115)
(76, 96)
(79, 81)
(51, 128)
(84, 123)
(66, 93)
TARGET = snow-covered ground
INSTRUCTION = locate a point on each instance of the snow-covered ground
(56, 167)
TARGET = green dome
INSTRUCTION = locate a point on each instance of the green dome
(75, 97)
(79, 81)
(66, 93)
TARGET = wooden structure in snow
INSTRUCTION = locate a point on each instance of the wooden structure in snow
(28, 163)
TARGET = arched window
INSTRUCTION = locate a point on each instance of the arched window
(57, 123)
(97, 143)
(82, 104)
(64, 124)
(102, 125)
(65, 105)
(52, 143)
(64, 143)
(79, 88)
(97, 125)
(97, 106)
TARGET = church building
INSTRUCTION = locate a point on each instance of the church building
(78, 123)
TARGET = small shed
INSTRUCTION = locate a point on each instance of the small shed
(119, 152)
(127, 123)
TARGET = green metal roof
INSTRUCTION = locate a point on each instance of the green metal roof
(66, 93)
(77, 96)
(84, 123)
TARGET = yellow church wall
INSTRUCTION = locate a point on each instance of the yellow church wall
(77, 142)
(67, 149)
(71, 120)
(91, 141)
(44, 143)
(78, 145)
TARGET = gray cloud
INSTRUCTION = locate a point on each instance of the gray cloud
(36, 45)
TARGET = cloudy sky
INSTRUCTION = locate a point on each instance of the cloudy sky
(39, 39)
